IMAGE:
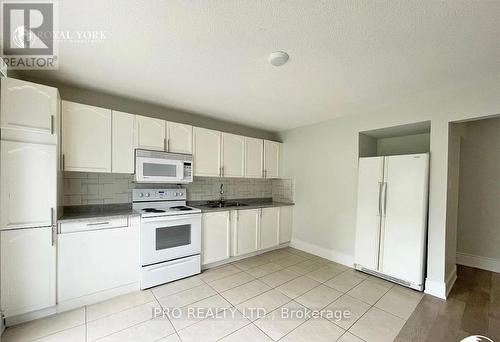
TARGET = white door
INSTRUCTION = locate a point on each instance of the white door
(367, 243)
(405, 209)
(29, 184)
(28, 270)
(233, 155)
(97, 260)
(86, 132)
(269, 227)
(150, 133)
(179, 138)
(271, 159)
(215, 237)
(207, 152)
(286, 223)
(123, 145)
(28, 106)
(254, 158)
(246, 231)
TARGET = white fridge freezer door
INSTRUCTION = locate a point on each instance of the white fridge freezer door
(404, 206)
(370, 176)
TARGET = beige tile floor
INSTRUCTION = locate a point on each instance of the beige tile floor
(269, 297)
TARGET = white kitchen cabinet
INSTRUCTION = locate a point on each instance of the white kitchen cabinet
(150, 133)
(92, 258)
(28, 270)
(86, 132)
(272, 156)
(286, 223)
(29, 107)
(233, 155)
(123, 142)
(207, 152)
(28, 182)
(269, 227)
(246, 231)
(215, 237)
(254, 158)
(179, 138)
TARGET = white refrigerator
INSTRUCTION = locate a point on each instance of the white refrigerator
(391, 226)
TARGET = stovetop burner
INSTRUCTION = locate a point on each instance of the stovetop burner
(153, 210)
(181, 208)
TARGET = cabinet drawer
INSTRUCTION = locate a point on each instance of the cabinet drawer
(93, 224)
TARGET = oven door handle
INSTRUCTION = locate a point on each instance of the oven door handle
(171, 218)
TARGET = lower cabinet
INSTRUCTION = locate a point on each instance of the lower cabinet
(28, 270)
(269, 227)
(239, 232)
(245, 231)
(286, 221)
(215, 237)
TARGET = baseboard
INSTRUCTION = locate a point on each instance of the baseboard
(241, 257)
(323, 252)
(441, 289)
(484, 263)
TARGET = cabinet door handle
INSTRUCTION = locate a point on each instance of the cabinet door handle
(97, 223)
(54, 234)
(52, 124)
(165, 148)
(62, 162)
(168, 145)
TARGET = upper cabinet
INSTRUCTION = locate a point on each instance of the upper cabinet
(254, 157)
(207, 152)
(233, 155)
(272, 152)
(29, 107)
(150, 133)
(179, 138)
(86, 138)
(123, 142)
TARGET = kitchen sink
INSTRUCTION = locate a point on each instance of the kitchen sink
(225, 205)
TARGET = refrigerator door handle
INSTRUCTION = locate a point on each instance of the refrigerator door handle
(380, 185)
(384, 191)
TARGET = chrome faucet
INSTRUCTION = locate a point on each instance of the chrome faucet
(221, 192)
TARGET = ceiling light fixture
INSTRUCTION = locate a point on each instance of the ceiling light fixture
(278, 58)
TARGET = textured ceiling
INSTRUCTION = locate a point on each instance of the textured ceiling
(210, 57)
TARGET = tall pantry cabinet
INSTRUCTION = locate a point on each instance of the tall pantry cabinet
(29, 177)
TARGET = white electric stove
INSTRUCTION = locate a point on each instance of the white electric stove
(170, 235)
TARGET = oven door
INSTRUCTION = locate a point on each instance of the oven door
(171, 237)
(156, 170)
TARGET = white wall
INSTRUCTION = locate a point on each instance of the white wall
(322, 159)
(479, 196)
(416, 143)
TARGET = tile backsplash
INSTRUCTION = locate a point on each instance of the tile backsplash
(82, 188)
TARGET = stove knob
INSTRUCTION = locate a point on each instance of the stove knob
(141, 194)
(147, 194)
(176, 194)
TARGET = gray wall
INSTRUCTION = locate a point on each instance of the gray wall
(479, 195)
(141, 107)
(417, 143)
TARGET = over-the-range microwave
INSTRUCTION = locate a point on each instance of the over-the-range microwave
(163, 167)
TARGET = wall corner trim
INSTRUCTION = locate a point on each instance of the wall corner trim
(477, 261)
(323, 252)
(441, 289)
